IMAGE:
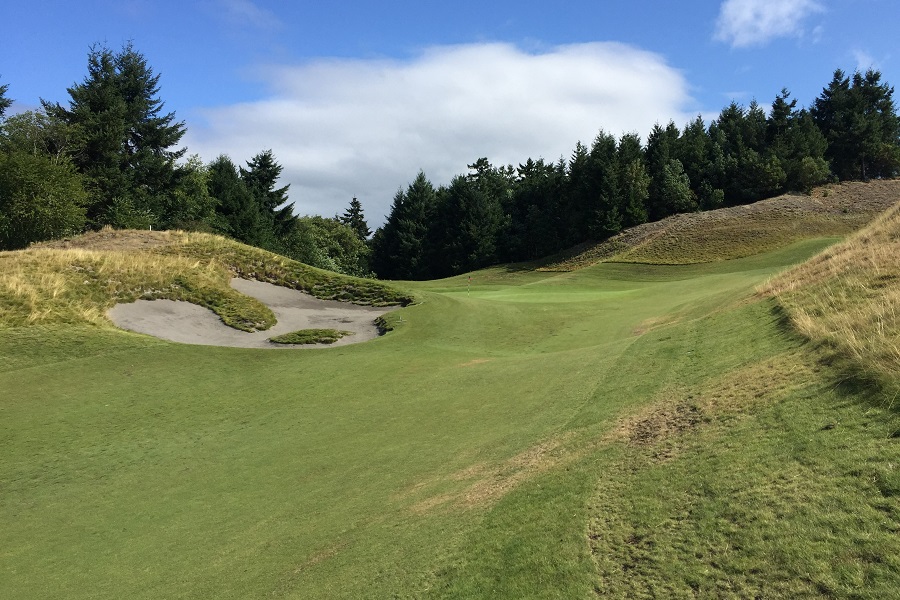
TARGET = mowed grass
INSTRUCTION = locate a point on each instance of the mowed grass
(619, 431)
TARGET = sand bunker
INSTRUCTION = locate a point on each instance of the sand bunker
(191, 324)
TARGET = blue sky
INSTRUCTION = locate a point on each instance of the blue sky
(354, 98)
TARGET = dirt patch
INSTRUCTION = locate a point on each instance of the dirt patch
(474, 361)
(662, 423)
(111, 239)
(657, 427)
(319, 557)
(487, 484)
(654, 323)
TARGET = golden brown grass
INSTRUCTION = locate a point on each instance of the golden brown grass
(848, 298)
(77, 280)
(740, 231)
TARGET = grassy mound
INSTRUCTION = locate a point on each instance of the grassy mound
(848, 298)
(310, 336)
(78, 280)
(740, 231)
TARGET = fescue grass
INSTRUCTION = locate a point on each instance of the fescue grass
(848, 299)
(740, 231)
(626, 430)
(310, 336)
(50, 285)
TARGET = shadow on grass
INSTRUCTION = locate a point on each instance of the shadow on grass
(846, 376)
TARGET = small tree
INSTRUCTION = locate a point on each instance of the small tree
(353, 218)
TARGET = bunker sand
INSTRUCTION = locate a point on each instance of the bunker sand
(191, 324)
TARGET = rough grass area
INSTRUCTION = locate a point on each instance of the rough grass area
(848, 298)
(310, 336)
(740, 231)
(751, 499)
(78, 280)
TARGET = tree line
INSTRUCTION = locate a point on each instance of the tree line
(110, 156)
(496, 214)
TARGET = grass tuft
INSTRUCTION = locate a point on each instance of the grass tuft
(310, 336)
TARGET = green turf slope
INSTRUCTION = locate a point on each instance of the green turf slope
(526, 435)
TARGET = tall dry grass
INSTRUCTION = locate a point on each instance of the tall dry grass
(848, 298)
(75, 285)
(77, 280)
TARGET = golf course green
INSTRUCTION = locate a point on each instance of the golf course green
(624, 430)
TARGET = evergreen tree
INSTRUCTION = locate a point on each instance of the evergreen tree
(242, 216)
(749, 171)
(633, 180)
(536, 222)
(661, 149)
(399, 246)
(798, 145)
(353, 218)
(464, 228)
(859, 119)
(604, 216)
(676, 194)
(4, 101)
(126, 154)
(578, 196)
(260, 177)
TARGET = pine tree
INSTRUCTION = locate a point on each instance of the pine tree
(464, 230)
(798, 145)
(633, 180)
(661, 149)
(127, 154)
(398, 247)
(353, 217)
(260, 177)
(243, 217)
(859, 119)
(4, 101)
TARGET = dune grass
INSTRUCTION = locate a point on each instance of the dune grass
(740, 231)
(77, 285)
(848, 299)
(626, 430)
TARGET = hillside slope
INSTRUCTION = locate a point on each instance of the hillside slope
(735, 232)
(847, 299)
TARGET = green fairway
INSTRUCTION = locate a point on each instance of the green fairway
(482, 448)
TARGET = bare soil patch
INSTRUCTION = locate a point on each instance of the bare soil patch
(111, 239)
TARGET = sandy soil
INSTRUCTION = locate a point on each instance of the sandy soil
(191, 324)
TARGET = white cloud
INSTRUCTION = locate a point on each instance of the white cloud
(744, 23)
(344, 128)
(245, 12)
(864, 60)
